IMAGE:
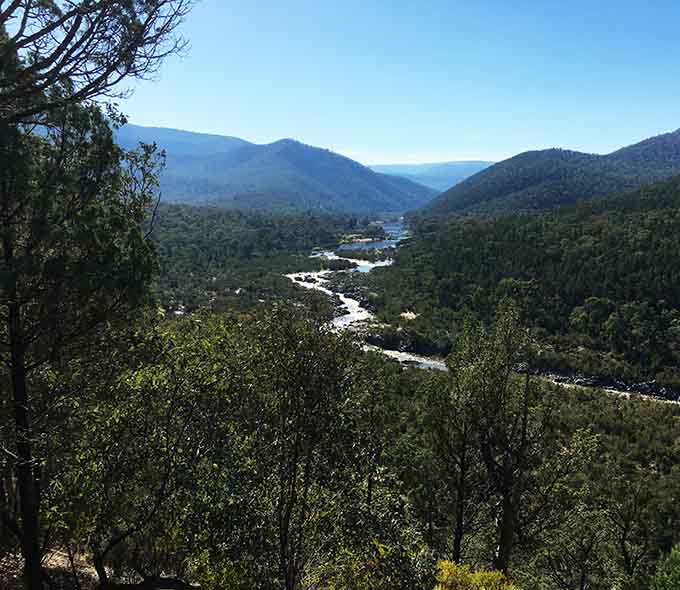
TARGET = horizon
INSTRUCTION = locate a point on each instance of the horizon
(420, 84)
(393, 163)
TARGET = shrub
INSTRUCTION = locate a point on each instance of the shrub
(667, 576)
(454, 576)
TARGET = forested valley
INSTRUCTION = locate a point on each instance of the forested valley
(225, 260)
(597, 283)
(177, 415)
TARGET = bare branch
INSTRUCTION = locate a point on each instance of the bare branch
(70, 51)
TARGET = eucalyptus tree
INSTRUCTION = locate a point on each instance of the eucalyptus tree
(574, 555)
(301, 415)
(525, 460)
(74, 253)
(453, 432)
(630, 497)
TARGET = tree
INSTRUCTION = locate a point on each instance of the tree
(505, 408)
(631, 506)
(126, 451)
(71, 212)
(300, 418)
(59, 52)
(74, 254)
(453, 432)
(524, 461)
(667, 576)
(574, 554)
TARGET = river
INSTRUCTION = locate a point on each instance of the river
(355, 315)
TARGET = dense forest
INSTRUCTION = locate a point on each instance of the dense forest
(265, 451)
(219, 259)
(159, 433)
(544, 179)
(598, 282)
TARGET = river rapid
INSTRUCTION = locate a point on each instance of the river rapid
(352, 314)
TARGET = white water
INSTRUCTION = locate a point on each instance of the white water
(362, 265)
(422, 362)
(316, 281)
(354, 312)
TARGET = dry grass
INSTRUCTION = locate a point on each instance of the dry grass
(58, 568)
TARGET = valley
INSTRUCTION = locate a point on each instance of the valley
(246, 359)
(354, 315)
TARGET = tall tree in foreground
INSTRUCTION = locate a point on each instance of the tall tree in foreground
(73, 254)
(302, 422)
(453, 433)
(526, 463)
(72, 250)
(506, 412)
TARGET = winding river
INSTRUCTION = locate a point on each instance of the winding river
(355, 315)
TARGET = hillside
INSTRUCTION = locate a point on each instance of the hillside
(284, 175)
(549, 178)
(439, 176)
(599, 281)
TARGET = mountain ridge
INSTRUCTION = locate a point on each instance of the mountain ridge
(285, 174)
(542, 179)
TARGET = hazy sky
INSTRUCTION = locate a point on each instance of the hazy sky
(424, 80)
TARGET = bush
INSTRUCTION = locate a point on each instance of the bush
(667, 575)
(453, 576)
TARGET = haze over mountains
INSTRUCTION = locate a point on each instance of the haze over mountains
(439, 176)
(284, 175)
(549, 178)
(288, 175)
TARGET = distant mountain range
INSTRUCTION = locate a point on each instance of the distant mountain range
(284, 175)
(549, 178)
(439, 176)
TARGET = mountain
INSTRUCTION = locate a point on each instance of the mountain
(439, 176)
(549, 178)
(283, 175)
(177, 142)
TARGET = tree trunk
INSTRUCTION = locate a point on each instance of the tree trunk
(506, 534)
(461, 497)
(29, 500)
(458, 535)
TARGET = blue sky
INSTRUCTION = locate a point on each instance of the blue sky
(423, 81)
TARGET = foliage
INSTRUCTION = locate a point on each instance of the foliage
(233, 259)
(58, 53)
(549, 178)
(597, 282)
(454, 576)
(209, 447)
(667, 576)
(73, 256)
